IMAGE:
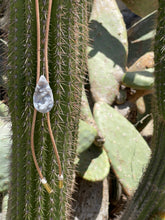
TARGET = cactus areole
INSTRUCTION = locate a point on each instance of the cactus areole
(45, 67)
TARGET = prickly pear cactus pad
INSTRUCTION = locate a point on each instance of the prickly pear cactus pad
(86, 113)
(86, 136)
(5, 144)
(93, 164)
(2, 61)
(3, 110)
(126, 149)
(139, 79)
(107, 50)
(141, 36)
(4, 206)
(141, 7)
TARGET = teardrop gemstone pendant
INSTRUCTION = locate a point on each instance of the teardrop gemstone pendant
(43, 100)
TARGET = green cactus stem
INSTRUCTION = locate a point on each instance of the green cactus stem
(149, 199)
(67, 41)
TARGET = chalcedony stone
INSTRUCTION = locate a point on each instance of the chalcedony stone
(43, 97)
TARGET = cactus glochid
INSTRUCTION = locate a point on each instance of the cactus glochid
(66, 53)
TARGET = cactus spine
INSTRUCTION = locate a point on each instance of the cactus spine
(67, 41)
(149, 199)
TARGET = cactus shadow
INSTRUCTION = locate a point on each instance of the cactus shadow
(100, 40)
(86, 158)
(138, 49)
(88, 196)
(88, 199)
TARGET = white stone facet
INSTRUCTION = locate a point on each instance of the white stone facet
(43, 97)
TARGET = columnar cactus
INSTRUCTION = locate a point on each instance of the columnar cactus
(67, 41)
(149, 199)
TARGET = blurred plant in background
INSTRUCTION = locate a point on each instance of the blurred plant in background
(116, 106)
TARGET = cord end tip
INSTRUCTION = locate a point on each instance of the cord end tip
(48, 188)
(60, 184)
(46, 185)
(60, 179)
